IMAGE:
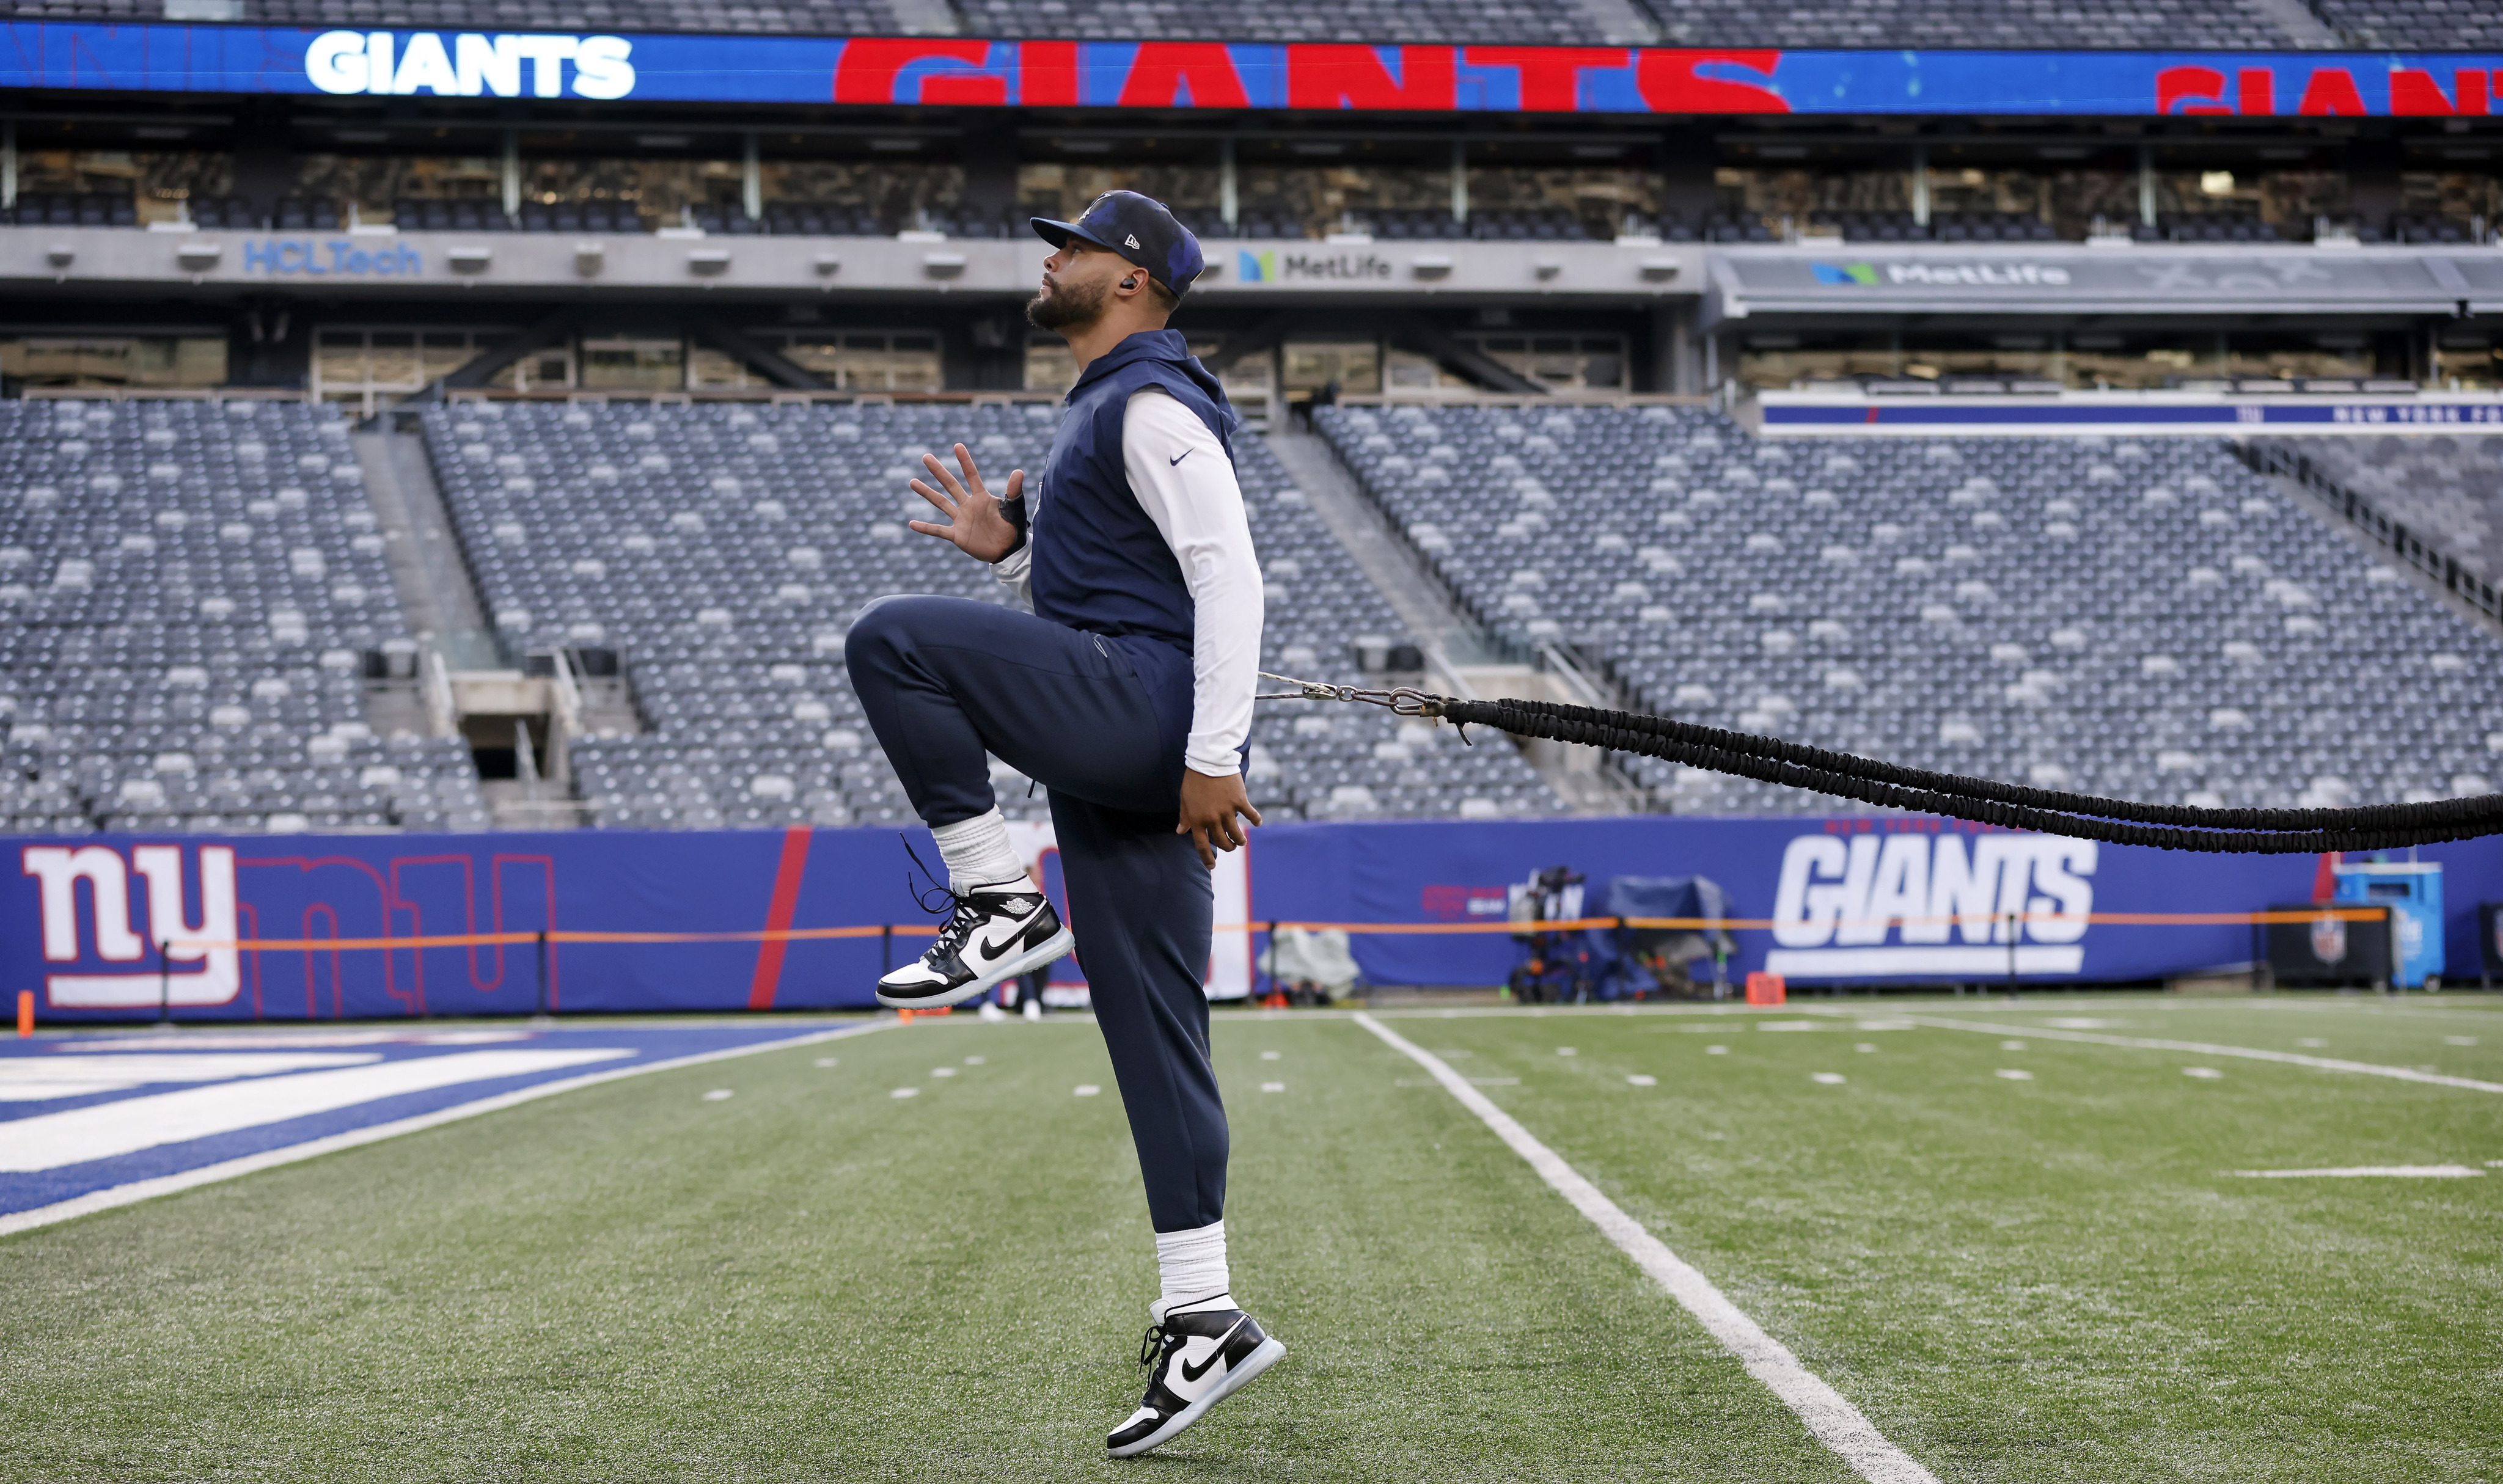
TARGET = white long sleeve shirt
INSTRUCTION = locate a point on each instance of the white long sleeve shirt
(1186, 486)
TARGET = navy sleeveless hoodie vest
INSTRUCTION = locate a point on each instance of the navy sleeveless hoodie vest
(1099, 564)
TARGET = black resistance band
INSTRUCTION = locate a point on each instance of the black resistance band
(2012, 806)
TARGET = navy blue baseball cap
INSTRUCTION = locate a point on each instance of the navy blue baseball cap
(1138, 229)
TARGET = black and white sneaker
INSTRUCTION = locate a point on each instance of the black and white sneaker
(995, 933)
(1197, 1360)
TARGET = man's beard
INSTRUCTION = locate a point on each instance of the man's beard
(1067, 306)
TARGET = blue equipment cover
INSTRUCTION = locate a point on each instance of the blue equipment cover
(1665, 897)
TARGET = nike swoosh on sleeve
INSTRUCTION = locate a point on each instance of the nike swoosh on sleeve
(1178, 457)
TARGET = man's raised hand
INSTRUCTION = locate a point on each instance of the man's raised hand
(975, 522)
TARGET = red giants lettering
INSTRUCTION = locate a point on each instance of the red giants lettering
(1669, 84)
(871, 66)
(1357, 77)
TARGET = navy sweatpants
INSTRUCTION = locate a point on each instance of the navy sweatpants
(947, 680)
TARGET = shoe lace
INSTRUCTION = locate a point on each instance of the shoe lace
(937, 887)
(962, 914)
(960, 925)
(1154, 1343)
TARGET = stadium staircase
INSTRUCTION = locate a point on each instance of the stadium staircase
(517, 716)
(1460, 657)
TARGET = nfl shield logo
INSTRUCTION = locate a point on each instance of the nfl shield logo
(2328, 938)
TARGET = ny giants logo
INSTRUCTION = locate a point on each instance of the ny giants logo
(1915, 904)
(209, 944)
(184, 948)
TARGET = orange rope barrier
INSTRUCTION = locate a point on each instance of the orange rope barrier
(1556, 925)
(1759, 924)
(560, 936)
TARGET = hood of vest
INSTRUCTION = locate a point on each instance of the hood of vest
(1169, 348)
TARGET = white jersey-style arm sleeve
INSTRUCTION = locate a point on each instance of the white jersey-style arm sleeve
(1186, 486)
(1016, 569)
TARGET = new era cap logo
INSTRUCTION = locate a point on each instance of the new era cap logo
(1132, 243)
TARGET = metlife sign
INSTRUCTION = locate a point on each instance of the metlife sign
(952, 70)
(2063, 280)
(1286, 266)
(1977, 275)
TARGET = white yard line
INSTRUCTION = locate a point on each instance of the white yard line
(2205, 1049)
(209, 1174)
(1829, 1416)
(2038, 1003)
(2375, 1011)
(2368, 1172)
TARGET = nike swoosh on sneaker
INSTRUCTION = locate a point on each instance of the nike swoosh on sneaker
(1178, 457)
(1214, 1355)
(990, 952)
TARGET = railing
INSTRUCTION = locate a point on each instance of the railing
(1485, 639)
(441, 708)
(564, 722)
(776, 396)
(1593, 685)
(166, 395)
(2394, 536)
(1562, 396)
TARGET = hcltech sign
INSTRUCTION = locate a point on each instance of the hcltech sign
(337, 256)
(471, 66)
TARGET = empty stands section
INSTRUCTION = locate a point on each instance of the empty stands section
(2406, 24)
(2448, 491)
(1531, 22)
(722, 551)
(2428, 25)
(1949, 23)
(2139, 619)
(192, 593)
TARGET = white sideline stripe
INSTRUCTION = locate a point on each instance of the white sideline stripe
(2351, 1171)
(209, 1174)
(2203, 1049)
(1829, 1416)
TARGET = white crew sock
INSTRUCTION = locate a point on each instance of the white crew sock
(1193, 1266)
(978, 853)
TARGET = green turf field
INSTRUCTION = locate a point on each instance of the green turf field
(2048, 1278)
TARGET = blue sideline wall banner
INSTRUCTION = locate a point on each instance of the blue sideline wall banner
(102, 926)
(1836, 889)
(84, 919)
(959, 71)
